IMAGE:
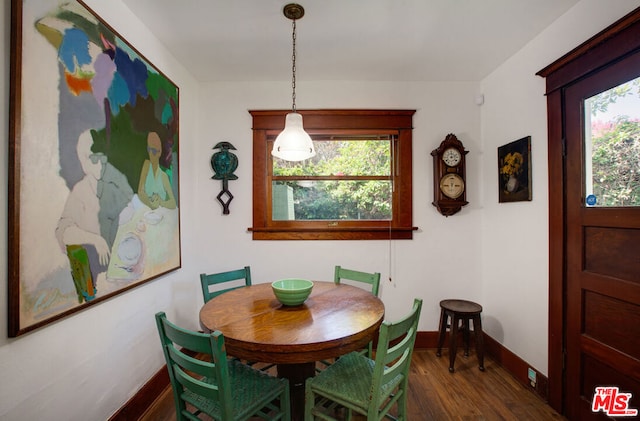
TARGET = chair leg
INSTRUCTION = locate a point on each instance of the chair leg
(443, 328)
(402, 402)
(465, 333)
(477, 328)
(285, 404)
(453, 346)
(309, 402)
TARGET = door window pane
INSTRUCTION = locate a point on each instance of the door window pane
(612, 146)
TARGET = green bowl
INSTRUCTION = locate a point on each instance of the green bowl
(292, 292)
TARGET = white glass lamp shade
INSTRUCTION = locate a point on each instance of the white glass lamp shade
(293, 143)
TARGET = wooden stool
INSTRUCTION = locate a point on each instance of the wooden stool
(461, 310)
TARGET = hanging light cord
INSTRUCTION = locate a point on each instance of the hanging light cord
(393, 174)
(293, 68)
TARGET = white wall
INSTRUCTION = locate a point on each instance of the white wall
(85, 367)
(424, 267)
(88, 365)
(514, 236)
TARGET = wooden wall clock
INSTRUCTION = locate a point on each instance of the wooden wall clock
(449, 176)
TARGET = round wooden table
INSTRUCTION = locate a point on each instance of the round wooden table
(333, 321)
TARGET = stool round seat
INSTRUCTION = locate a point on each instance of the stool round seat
(457, 311)
(461, 306)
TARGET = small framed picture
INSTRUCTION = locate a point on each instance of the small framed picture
(514, 171)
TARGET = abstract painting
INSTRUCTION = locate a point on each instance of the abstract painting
(93, 153)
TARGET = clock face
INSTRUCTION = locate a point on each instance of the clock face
(451, 157)
(452, 185)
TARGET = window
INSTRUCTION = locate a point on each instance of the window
(357, 187)
(612, 143)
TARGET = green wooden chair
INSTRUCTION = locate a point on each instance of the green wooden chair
(223, 389)
(372, 279)
(206, 281)
(218, 278)
(355, 383)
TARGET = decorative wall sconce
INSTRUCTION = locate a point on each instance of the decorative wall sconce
(224, 163)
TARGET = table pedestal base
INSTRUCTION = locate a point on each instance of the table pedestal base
(297, 374)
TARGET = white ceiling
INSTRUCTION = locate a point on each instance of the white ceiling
(392, 40)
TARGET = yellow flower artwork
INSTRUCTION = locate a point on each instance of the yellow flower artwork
(514, 171)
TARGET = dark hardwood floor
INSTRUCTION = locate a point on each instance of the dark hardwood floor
(435, 394)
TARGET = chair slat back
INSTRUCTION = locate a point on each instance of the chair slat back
(372, 279)
(206, 280)
(395, 347)
(209, 379)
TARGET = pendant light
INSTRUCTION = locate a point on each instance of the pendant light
(293, 143)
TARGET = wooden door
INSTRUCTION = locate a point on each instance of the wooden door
(602, 246)
(594, 263)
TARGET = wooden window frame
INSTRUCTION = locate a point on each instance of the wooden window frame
(268, 123)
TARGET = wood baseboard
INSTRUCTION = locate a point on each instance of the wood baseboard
(507, 359)
(141, 401)
(518, 367)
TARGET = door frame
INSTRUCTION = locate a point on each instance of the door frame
(620, 39)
